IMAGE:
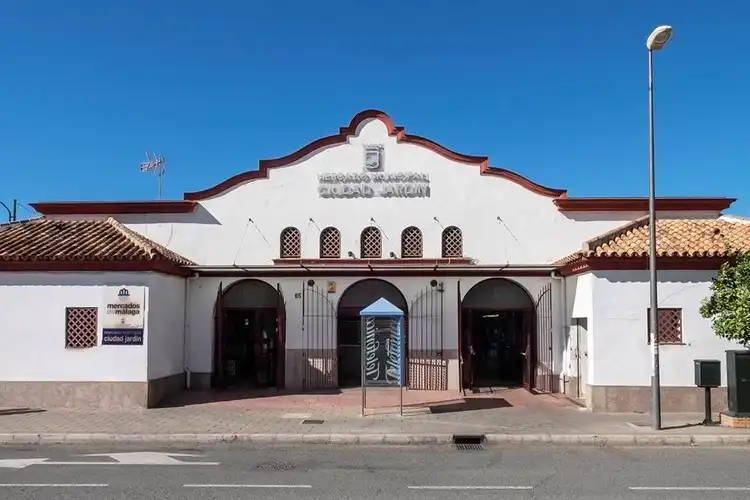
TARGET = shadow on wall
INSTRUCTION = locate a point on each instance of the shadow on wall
(198, 216)
(623, 217)
(685, 277)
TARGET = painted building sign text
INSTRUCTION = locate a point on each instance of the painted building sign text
(374, 184)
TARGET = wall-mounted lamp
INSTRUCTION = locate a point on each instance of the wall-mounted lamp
(351, 255)
(393, 255)
(372, 219)
(311, 283)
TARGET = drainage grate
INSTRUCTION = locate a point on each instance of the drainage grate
(469, 442)
(469, 447)
(313, 421)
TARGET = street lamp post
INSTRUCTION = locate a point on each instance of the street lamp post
(656, 41)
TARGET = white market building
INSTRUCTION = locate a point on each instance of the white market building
(258, 282)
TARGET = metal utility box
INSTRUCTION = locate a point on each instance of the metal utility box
(738, 383)
(707, 372)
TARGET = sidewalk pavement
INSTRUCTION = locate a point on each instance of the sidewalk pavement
(507, 416)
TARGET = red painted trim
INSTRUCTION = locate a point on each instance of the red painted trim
(565, 204)
(343, 136)
(586, 264)
(157, 266)
(114, 207)
(374, 262)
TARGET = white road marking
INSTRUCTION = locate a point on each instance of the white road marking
(20, 463)
(284, 486)
(132, 458)
(470, 487)
(149, 458)
(690, 488)
(53, 485)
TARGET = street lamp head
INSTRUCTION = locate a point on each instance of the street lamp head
(659, 38)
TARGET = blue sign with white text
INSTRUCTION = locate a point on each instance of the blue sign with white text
(122, 336)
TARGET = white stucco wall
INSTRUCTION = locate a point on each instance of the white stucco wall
(621, 353)
(579, 305)
(32, 328)
(502, 222)
(166, 322)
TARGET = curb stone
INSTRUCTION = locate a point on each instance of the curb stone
(378, 439)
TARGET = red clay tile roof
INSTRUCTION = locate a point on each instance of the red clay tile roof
(674, 238)
(40, 240)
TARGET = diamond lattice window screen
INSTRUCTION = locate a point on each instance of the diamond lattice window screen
(291, 243)
(453, 245)
(371, 244)
(411, 243)
(670, 325)
(330, 243)
(81, 327)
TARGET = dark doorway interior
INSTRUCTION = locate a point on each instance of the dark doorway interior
(249, 349)
(497, 346)
(350, 345)
(354, 299)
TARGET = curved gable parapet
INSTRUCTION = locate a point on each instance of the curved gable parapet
(343, 137)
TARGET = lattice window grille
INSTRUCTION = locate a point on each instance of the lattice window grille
(330, 243)
(452, 242)
(291, 243)
(81, 327)
(371, 244)
(670, 325)
(411, 243)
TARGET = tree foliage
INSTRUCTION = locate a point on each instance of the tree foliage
(728, 306)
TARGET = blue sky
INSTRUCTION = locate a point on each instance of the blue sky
(556, 91)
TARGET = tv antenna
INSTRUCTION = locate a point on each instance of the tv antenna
(158, 164)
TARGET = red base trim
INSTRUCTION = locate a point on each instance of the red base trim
(566, 204)
(641, 263)
(114, 207)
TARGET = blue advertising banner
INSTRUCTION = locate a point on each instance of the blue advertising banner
(122, 336)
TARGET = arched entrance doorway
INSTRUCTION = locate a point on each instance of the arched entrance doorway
(249, 336)
(497, 341)
(358, 296)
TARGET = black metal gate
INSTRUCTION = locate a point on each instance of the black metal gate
(544, 376)
(427, 369)
(319, 338)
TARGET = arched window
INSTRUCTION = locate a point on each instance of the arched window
(371, 244)
(291, 243)
(411, 243)
(453, 243)
(330, 243)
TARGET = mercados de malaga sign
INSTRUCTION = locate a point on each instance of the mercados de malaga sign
(374, 184)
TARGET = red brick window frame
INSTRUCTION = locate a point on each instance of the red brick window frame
(81, 327)
(669, 325)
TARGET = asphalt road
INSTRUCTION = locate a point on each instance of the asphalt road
(330, 472)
